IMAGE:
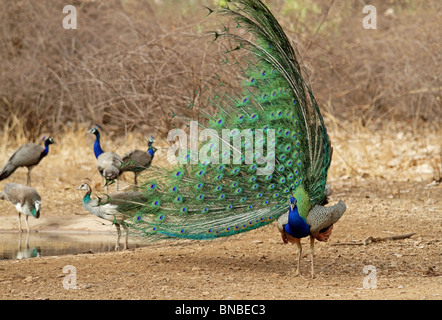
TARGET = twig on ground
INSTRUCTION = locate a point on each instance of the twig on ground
(371, 239)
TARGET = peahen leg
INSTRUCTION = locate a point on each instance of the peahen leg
(27, 225)
(126, 245)
(135, 182)
(19, 223)
(298, 244)
(28, 181)
(117, 245)
(312, 248)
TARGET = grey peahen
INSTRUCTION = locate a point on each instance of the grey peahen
(263, 155)
(108, 163)
(113, 208)
(28, 155)
(25, 199)
(137, 161)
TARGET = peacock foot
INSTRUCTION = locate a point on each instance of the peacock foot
(297, 273)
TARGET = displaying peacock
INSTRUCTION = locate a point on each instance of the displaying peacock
(263, 155)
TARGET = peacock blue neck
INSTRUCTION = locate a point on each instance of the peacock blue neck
(46, 147)
(297, 227)
(151, 150)
(97, 146)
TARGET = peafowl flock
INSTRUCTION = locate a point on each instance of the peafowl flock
(108, 163)
(224, 188)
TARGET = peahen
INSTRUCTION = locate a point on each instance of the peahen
(262, 156)
(108, 163)
(28, 155)
(25, 199)
(137, 161)
(113, 208)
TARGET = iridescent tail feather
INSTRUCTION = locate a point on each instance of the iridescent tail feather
(283, 142)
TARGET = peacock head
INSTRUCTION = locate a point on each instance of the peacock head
(293, 202)
(85, 187)
(95, 131)
(150, 141)
(36, 209)
(151, 149)
(48, 141)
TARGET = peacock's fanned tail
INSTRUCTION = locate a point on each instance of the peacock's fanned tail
(283, 145)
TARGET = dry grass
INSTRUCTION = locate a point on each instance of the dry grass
(359, 153)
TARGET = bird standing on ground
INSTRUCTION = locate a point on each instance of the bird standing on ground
(25, 199)
(28, 155)
(137, 161)
(108, 163)
(278, 160)
(113, 208)
(305, 221)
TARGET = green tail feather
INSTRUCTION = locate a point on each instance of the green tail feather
(278, 118)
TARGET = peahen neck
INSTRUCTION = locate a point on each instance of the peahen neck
(97, 147)
(296, 226)
(87, 197)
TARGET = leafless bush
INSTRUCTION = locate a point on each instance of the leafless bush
(377, 76)
(132, 65)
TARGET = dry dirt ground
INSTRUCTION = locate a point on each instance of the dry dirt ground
(255, 265)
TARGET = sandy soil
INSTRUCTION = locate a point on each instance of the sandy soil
(256, 265)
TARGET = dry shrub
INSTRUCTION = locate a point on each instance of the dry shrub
(131, 65)
(378, 76)
(123, 68)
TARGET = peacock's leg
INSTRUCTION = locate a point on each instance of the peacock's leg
(135, 182)
(28, 181)
(117, 245)
(126, 245)
(312, 248)
(298, 244)
(27, 225)
(117, 184)
(19, 223)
